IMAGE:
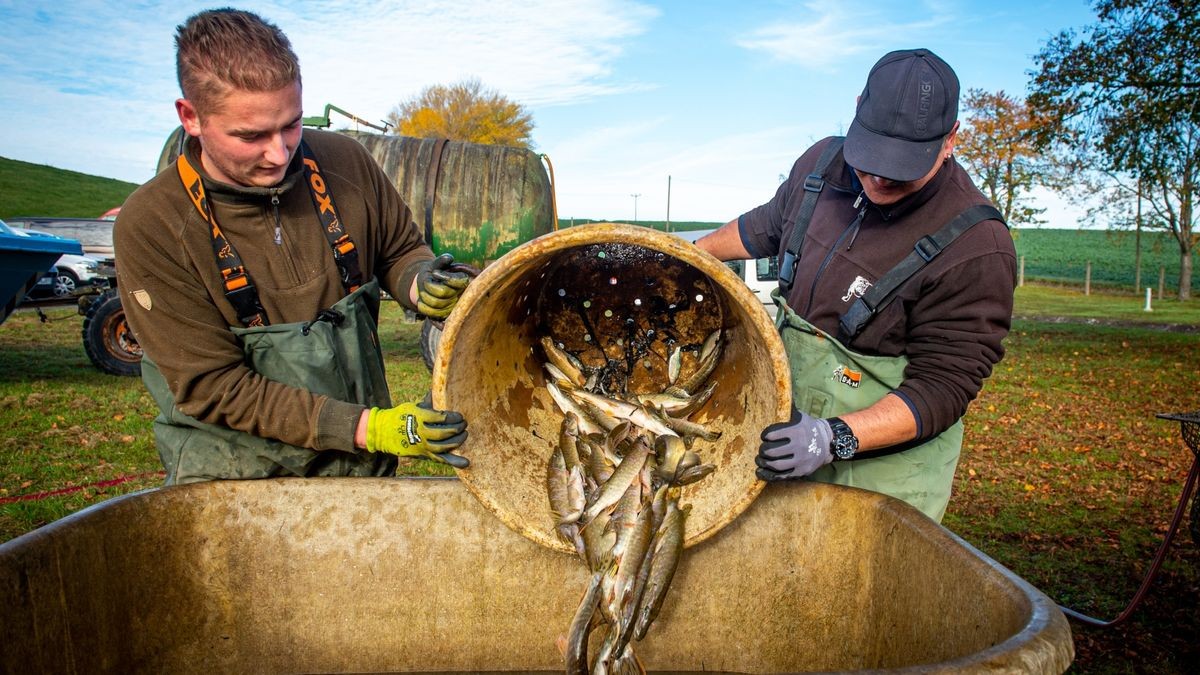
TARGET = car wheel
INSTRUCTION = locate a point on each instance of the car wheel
(107, 339)
(65, 284)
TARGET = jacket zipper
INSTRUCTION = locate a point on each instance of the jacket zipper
(851, 230)
(278, 228)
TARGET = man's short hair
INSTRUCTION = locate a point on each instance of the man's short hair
(222, 49)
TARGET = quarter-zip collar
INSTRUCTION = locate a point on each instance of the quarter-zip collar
(908, 204)
(240, 194)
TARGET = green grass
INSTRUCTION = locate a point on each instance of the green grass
(1062, 256)
(36, 190)
(1104, 306)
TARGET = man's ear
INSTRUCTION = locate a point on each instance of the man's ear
(188, 116)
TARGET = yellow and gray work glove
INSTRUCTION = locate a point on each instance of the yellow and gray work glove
(438, 288)
(417, 430)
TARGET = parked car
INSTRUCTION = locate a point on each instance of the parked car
(106, 336)
(761, 275)
(45, 286)
(70, 273)
(95, 234)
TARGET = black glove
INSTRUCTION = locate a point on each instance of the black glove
(795, 448)
(438, 288)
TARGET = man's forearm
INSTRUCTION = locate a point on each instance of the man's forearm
(887, 422)
(725, 243)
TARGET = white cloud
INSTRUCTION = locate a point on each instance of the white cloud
(822, 34)
(80, 68)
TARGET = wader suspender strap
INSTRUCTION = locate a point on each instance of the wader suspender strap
(344, 252)
(239, 289)
(926, 249)
(813, 185)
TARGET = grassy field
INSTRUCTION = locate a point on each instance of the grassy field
(37, 190)
(1067, 477)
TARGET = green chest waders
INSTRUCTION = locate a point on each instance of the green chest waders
(339, 358)
(830, 380)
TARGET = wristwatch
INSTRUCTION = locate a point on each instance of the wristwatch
(844, 443)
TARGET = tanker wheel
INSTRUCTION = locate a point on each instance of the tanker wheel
(431, 337)
(107, 339)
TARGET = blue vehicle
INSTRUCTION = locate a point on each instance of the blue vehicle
(25, 257)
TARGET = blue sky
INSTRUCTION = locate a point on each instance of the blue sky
(719, 96)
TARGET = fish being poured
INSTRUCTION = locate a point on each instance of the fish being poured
(614, 483)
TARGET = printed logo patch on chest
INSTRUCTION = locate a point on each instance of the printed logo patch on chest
(857, 288)
(848, 377)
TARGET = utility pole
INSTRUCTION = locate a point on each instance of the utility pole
(635, 196)
(668, 203)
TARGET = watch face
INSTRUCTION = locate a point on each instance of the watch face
(845, 444)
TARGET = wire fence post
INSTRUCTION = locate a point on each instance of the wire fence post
(1087, 279)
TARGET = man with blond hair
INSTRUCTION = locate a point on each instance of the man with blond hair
(250, 271)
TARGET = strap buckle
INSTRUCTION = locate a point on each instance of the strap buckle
(927, 248)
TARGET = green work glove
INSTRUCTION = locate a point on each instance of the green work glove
(438, 288)
(417, 430)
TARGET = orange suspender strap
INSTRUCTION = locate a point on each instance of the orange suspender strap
(344, 252)
(239, 289)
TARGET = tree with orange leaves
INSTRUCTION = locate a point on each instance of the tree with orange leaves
(465, 111)
(996, 147)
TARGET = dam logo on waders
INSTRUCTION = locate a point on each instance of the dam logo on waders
(848, 377)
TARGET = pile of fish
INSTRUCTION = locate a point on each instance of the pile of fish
(614, 484)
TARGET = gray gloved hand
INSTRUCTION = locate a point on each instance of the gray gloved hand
(795, 448)
(438, 288)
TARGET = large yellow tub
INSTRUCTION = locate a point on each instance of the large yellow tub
(396, 575)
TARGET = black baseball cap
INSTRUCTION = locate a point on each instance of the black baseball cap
(908, 107)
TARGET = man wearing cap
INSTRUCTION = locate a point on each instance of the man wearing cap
(896, 291)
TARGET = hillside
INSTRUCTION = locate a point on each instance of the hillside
(1058, 256)
(37, 190)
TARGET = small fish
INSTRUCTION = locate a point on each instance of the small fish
(710, 344)
(576, 494)
(600, 466)
(674, 363)
(598, 542)
(581, 627)
(568, 405)
(568, 440)
(685, 428)
(567, 364)
(705, 367)
(558, 487)
(694, 474)
(624, 476)
(665, 401)
(669, 450)
(694, 402)
(638, 415)
(667, 552)
(633, 559)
